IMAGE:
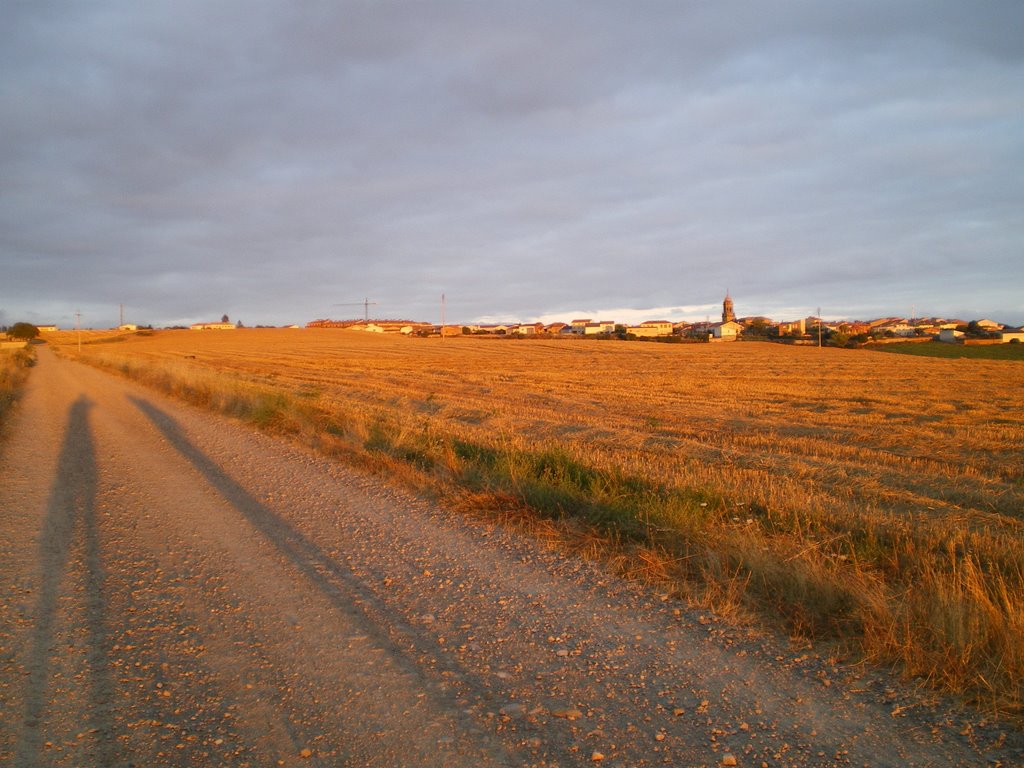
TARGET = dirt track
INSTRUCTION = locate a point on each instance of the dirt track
(176, 589)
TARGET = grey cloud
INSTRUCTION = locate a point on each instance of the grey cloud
(531, 155)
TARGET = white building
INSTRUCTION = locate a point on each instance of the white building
(728, 331)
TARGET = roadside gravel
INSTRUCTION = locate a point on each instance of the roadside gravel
(177, 589)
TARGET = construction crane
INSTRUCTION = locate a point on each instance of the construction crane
(365, 304)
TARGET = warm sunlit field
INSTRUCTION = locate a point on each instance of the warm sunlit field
(862, 496)
(786, 426)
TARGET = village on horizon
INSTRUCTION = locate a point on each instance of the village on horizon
(807, 330)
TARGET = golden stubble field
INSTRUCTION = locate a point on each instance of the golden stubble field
(820, 429)
(885, 490)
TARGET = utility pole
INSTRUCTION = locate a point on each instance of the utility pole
(122, 316)
(819, 327)
(78, 329)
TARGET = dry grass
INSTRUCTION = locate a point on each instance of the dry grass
(14, 365)
(872, 499)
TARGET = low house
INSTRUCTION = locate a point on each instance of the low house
(877, 324)
(701, 330)
(893, 326)
(660, 327)
(651, 329)
(601, 326)
(903, 330)
(325, 323)
(797, 326)
(213, 326)
(950, 335)
(404, 327)
(587, 327)
(128, 327)
(47, 328)
(727, 331)
(1012, 334)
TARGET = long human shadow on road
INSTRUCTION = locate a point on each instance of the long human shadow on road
(336, 583)
(71, 505)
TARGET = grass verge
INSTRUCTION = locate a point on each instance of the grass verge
(942, 601)
(14, 368)
(954, 351)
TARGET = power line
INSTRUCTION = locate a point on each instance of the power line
(365, 304)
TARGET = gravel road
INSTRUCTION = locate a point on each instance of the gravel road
(177, 589)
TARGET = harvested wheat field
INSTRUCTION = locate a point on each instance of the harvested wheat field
(871, 500)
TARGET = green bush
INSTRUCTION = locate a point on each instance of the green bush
(25, 331)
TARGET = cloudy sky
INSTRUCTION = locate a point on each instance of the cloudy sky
(280, 161)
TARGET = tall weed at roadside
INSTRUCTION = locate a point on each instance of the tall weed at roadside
(14, 368)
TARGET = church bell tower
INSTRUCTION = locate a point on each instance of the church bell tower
(728, 316)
